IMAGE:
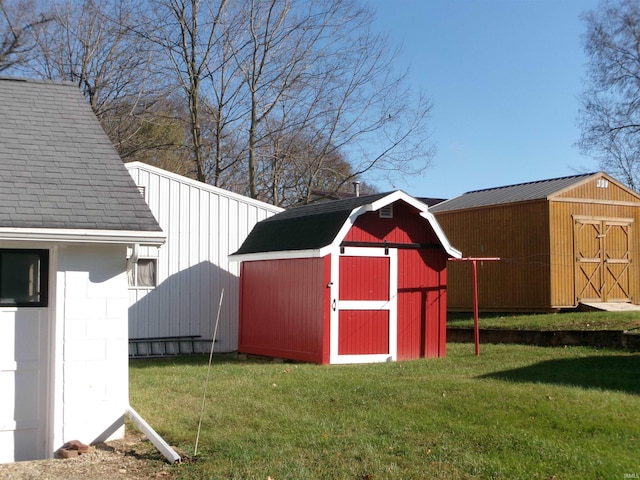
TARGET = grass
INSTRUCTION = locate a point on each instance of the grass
(516, 412)
(552, 321)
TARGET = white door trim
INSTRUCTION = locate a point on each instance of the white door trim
(336, 305)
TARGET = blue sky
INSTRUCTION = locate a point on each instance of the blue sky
(503, 77)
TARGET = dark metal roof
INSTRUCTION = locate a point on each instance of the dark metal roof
(58, 168)
(510, 194)
(303, 228)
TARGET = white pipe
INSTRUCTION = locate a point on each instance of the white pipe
(164, 448)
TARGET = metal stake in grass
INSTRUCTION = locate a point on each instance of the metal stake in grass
(206, 383)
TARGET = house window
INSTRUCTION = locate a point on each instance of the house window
(142, 273)
(24, 276)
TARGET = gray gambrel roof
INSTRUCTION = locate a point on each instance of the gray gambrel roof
(521, 192)
(305, 227)
(318, 226)
(58, 169)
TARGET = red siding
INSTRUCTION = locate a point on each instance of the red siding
(364, 278)
(406, 226)
(363, 332)
(421, 303)
(282, 308)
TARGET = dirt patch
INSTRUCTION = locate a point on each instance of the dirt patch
(132, 458)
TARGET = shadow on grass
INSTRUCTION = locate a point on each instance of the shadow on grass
(195, 360)
(618, 373)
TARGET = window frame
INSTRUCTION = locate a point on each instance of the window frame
(133, 265)
(43, 284)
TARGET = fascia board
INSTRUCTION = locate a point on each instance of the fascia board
(349, 222)
(391, 198)
(395, 196)
(82, 236)
(285, 254)
(453, 252)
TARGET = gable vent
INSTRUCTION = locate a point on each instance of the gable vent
(387, 211)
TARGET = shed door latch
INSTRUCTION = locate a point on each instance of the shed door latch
(333, 305)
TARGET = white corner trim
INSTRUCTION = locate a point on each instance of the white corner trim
(61, 235)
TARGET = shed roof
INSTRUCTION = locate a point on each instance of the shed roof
(317, 226)
(58, 169)
(521, 192)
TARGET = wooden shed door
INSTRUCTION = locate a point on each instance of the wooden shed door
(365, 310)
(603, 258)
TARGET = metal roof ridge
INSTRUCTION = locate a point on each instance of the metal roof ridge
(576, 176)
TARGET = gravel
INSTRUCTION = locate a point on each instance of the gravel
(128, 459)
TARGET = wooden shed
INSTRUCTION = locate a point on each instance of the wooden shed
(562, 242)
(174, 289)
(349, 281)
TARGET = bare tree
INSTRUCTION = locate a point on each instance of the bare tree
(187, 32)
(17, 21)
(315, 70)
(270, 98)
(91, 44)
(610, 113)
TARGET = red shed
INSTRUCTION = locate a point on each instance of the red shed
(349, 281)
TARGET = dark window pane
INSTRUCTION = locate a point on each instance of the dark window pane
(23, 277)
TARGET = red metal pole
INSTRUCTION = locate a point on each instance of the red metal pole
(474, 272)
(476, 327)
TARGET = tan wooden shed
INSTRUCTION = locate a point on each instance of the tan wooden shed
(562, 242)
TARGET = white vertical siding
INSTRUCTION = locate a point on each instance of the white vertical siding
(203, 225)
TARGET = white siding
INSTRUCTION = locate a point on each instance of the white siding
(64, 368)
(203, 225)
(91, 299)
(23, 383)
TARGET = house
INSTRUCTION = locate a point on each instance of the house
(357, 280)
(562, 242)
(175, 289)
(68, 211)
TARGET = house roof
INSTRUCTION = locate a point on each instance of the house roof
(58, 169)
(521, 192)
(315, 227)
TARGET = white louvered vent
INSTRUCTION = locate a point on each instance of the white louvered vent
(386, 212)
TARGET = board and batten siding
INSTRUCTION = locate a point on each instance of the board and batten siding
(284, 308)
(519, 234)
(598, 199)
(203, 225)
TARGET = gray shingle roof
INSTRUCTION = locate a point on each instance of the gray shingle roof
(58, 168)
(510, 194)
(307, 227)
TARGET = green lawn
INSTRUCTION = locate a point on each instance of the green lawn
(553, 321)
(515, 412)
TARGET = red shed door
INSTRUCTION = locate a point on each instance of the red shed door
(364, 306)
